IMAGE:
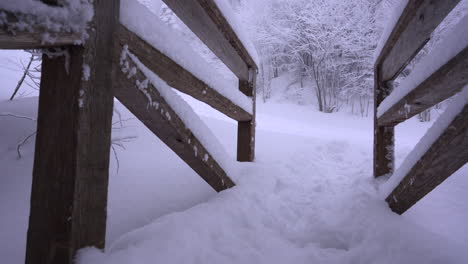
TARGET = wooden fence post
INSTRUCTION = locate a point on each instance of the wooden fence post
(246, 129)
(70, 174)
(384, 145)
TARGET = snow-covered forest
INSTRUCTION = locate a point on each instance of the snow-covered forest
(309, 196)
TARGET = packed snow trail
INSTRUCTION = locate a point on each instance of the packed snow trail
(308, 198)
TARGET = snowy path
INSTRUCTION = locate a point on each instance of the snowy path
(308, 198)
(305, 200)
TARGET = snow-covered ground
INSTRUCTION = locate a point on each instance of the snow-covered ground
(308, 198)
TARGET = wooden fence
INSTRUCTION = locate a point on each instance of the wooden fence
(70, 173)
(450, 151)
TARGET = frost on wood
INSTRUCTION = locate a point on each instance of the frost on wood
(86, 72)
(181, 108)
(454, 42)
(72, 16)
(456, 106)
(151, 29)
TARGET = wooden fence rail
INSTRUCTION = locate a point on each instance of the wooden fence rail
(411, 32)
(442, 84)
(178, 77)
(71, 163)
(164, 122)
(207, 21)
(446, 155)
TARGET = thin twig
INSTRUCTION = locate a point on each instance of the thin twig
(18, 148)
(17, 116)
(116, 158)
(26, 70)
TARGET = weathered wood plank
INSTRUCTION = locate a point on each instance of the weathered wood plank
(32, 40)
(166, 124)
(205, 19)
(411, 33)
(70, 173)
(178, 77)
(444, 157)
(384, 137)
(442, 84)
(246, 129)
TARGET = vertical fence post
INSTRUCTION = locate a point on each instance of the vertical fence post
(384, 144)
(246, 129)
(70, 173)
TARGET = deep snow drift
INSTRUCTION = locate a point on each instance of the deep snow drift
(308, 198)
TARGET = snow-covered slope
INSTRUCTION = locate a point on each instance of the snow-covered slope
(309, 197)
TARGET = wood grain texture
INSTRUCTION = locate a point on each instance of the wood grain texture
(10, 39)
(205, 19)
(442, 84)
(70, 172)
(411, 33)
(384, 137)
(246, 129)
(444, 157)
(167, 126)
(179, 78)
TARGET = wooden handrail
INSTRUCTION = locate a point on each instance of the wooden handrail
(13, 39)
(178, 77)
(413, 29)
(167, 125)
(206, 20)
(442, 84)
(446, 155)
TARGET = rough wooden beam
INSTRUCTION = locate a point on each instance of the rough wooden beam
(442, 84)
(246, 129)
(179, 78)
(410, 34)
(205, 19)
(384, 137)
(444, 157)
(70, 173)
(10, 39)
(161, 119)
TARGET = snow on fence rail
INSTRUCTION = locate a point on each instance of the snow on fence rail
(447, 59)
(441, 152)
(155, 103)
(441, 74)
(151, 29)
(210, 24)
(70, 174)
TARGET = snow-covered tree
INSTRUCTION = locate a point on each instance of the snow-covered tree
(328, 42)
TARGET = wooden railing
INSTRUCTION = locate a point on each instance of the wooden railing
(70, 174)
(449, 152)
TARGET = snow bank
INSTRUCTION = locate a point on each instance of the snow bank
(73, 16)
(434, 132)
(150, 28)
(453, 43)
(305, 200)
(234, 21)
(184, 111)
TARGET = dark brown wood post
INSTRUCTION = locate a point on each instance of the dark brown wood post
(246, 129)
(70, 174)
(384, 136)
